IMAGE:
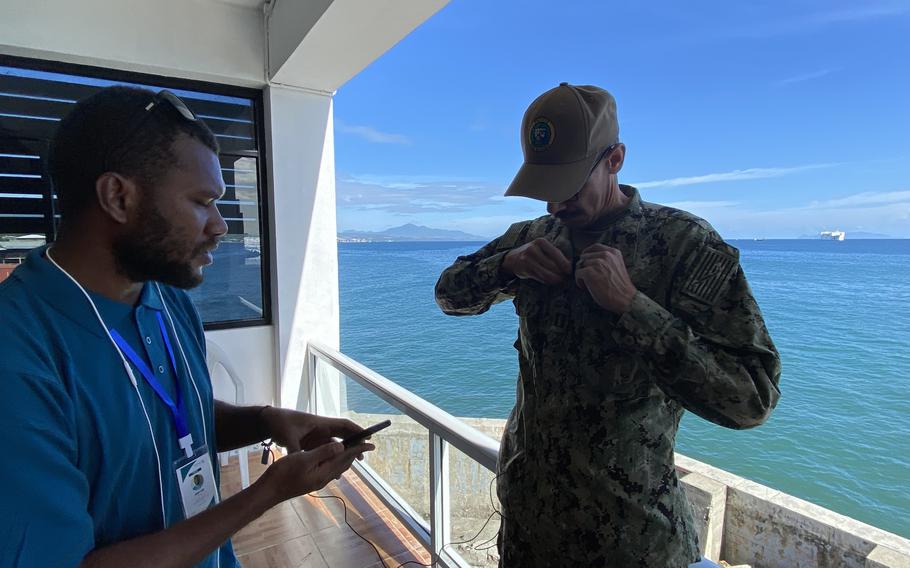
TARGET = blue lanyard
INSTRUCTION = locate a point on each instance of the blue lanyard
(178, 409)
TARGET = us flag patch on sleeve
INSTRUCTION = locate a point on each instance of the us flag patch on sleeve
(713, 269)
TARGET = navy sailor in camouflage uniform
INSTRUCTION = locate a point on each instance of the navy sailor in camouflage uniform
(629, 314)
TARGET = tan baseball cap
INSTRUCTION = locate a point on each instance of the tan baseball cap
(563, 133)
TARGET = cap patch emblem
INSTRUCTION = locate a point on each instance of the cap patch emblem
(541, 134)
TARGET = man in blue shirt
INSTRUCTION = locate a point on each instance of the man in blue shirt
(104, 388)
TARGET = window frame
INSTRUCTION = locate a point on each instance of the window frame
(256, 96)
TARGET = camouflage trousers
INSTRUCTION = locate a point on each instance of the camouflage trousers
(547, 524)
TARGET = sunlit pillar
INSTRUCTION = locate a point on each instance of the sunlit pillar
(303, 247)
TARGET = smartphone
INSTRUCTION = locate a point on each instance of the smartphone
(355, 439)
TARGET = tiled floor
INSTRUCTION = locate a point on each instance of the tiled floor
(311, 532)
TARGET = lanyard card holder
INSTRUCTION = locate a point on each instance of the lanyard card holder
(196, 480)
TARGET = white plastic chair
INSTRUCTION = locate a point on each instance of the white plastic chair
(227, 386)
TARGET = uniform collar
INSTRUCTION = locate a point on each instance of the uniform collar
(150, 298)
(620, 227)
(615, 219)
(633, 206)
(55, 288)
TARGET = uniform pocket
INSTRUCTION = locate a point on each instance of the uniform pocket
(605, 367)
(615, 376)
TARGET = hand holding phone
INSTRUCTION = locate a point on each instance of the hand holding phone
(355, 439)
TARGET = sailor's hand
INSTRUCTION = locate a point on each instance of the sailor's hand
(538, 260)
(302, 472)
(302, 431)
(602, 272)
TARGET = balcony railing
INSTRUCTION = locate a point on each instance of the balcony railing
(329, 395)
(736, 519)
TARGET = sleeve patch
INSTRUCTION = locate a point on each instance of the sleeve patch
(713, 269)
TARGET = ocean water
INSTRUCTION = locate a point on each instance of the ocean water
(839, 313)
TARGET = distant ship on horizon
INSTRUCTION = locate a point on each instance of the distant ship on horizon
(833, 235)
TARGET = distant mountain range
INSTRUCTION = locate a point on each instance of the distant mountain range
(409, 232)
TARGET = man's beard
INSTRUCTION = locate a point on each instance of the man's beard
(571, 220)
(154, 251)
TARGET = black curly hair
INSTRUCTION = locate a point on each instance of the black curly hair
(90, 141)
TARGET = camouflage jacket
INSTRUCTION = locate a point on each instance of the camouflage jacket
(586, 471)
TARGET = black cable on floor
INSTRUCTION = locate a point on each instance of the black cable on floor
(268, 448)
(414, 562)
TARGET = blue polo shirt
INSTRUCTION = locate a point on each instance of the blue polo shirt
(80, 470)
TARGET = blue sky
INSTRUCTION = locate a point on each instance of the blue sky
(769, 119)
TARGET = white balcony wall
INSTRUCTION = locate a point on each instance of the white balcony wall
(250, 350)
(304, 248)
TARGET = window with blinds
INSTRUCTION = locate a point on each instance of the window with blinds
(33, 100)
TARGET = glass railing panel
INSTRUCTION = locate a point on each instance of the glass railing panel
(401, 458)
(473, 504)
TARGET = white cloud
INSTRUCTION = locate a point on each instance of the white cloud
(865, 199)
(869, 11)
(374, 202)
(694, 206)
(412, 195)
(884, 212)
(806, 77)
(860, 12)
(371, 134)
(735, 175)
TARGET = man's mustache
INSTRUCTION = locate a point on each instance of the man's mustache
(206, 247)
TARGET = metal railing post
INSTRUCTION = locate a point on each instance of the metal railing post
(444, 431)
(440, 519)
(311, 406)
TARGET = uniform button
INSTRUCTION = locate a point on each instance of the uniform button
(148, 340)
(161, 369)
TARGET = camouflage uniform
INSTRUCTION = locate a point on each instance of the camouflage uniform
(586, 469)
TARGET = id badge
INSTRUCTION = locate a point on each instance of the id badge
(196, 480)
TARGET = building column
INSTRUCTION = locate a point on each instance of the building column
(303, 245)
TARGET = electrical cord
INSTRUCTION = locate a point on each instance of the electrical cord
(486, 543)
(413, 562)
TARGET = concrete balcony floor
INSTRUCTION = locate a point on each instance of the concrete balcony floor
(308, 532)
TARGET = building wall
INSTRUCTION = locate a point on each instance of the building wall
(191, 39)
(304, 246)
(249, 350)
(766, 528)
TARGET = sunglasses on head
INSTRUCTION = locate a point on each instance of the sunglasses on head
(163, 99)
(603, 154)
